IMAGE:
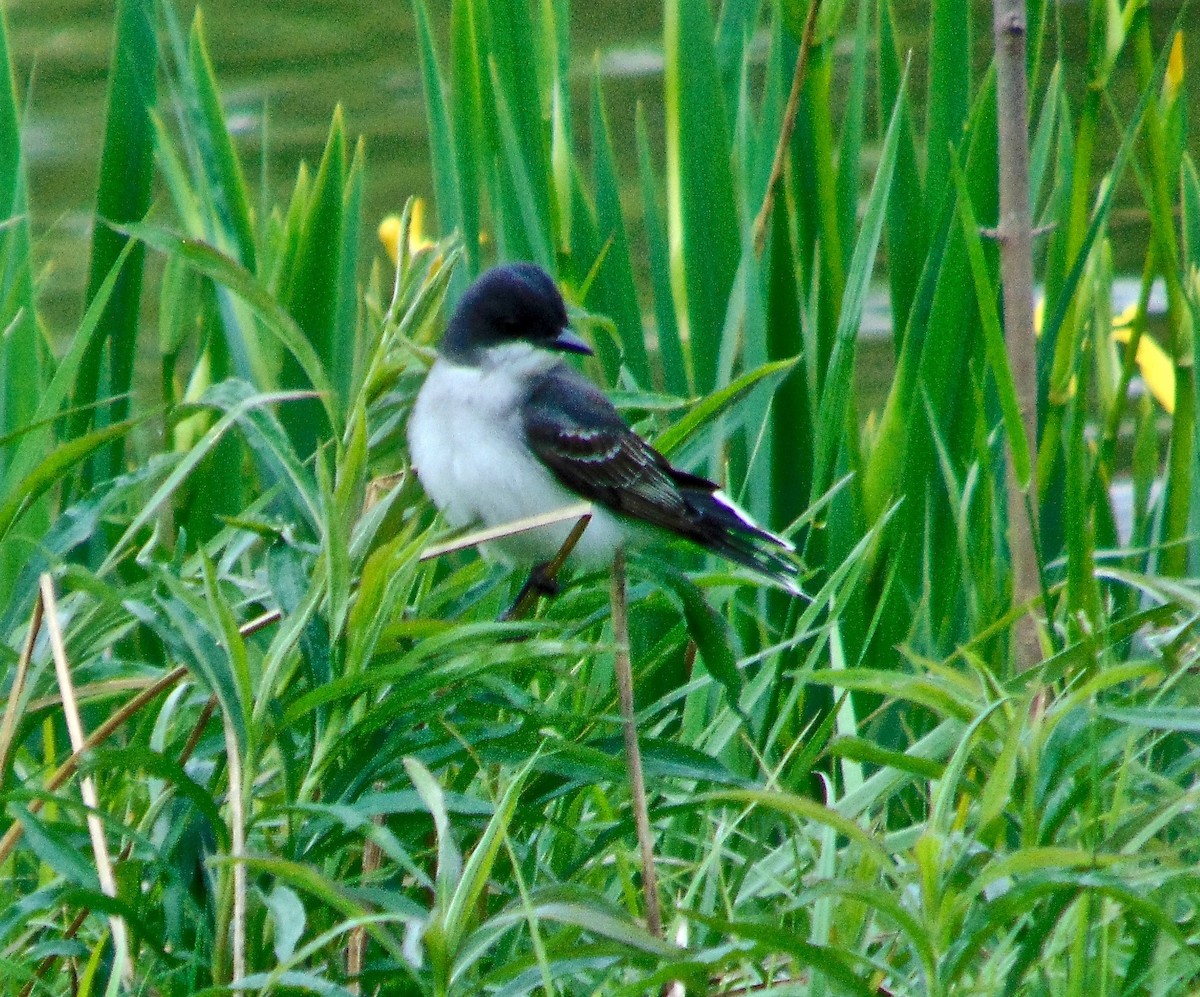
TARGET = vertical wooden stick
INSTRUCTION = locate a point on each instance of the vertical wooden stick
(1015, 234)
(87, 785)
(633, 756)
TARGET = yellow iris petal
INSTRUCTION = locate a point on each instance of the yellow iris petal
(389, 235)
(1156, 367)
(389, 232)
(1174, 78)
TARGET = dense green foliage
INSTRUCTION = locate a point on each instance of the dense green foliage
(323, 766)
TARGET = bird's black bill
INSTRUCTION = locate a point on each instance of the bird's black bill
(568, 342)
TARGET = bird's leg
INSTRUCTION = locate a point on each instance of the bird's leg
(542, 581)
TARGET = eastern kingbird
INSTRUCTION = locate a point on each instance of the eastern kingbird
(504, 429)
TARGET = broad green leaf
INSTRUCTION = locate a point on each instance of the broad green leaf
(613, 292)
(126, 174)
(676, 372)
(212, 263)
(216, 145)
(50, 471)
(720, 401)
(993, 335)
(832, 412)
(701, 209)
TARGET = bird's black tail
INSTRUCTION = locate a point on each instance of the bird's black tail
(725, 529)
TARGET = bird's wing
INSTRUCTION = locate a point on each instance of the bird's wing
(575, 431)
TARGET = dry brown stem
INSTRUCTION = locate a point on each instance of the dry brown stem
(633, 755)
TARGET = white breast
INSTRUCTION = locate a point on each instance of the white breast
(467, 442)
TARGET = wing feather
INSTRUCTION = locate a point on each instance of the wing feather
(575, 431)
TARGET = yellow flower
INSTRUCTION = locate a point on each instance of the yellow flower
(389, 232)
(1155, 366)
(1174, 78)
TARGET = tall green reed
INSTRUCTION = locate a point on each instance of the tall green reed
(317, 695)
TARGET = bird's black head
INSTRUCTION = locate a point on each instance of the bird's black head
(517, 302)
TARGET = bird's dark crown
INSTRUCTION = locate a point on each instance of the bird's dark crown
(508, 304)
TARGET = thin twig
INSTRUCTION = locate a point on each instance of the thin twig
(1036, 233)
(633, 755)
(110, 726)
(47, 964)
(260, 622)
(9, 726)
(198, 730)
(87, 786)
(785, 130)
(101, 734)
(356, 947)
(508, 529)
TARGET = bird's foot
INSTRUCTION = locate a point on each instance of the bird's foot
(541, 582)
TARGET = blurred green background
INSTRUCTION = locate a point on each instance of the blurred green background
(283, 67)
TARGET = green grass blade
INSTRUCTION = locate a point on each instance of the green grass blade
(908, 222)
(21, 370)
(676, 374)
(468, 58)
(1190, 199)
(515, 50)
(52, 396)
(614, 291)
(735, 29)
(949, 93)
(1043, 140)
(1063, 353)
(227, 272)
(828, 439)
(848, 175)
(19, 360)
(228, 183)
(701, 206)
(720, 401)
(126, 173)
(791, 407)
(441, 139)
(477, 870)
(346, 319)
(524, 225)
(49, 471)
(993, 335)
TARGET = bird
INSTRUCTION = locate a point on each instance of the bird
(504, 428)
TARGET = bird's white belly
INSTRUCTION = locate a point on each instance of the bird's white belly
(468, 444)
